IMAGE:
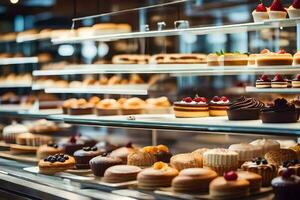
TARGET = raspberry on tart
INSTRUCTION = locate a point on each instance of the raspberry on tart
(277, 11)
(260, 13)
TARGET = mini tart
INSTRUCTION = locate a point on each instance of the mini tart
(246, 151)
(274, 59)
(293, 12)
(218, 108)
(266, 145)
(277, 11)
(220, 187)
(233, 59)
(133, 106)
(213, 60)
(159, 175)
(277, 157)
(186, 160)
(100, 163)
(193, 180)
(121, 173)
(260, 16)
(52, 167)
(297, 57)
(108, 107)
(47, 150)
(254, 180)
(83, 156)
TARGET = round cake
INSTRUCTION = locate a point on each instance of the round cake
(123, 152)
(100, 163)
(191, 108)
(186, 160)
(218, 106)
(56, 163)
(121, 173)
(84, 156)
(48, 149)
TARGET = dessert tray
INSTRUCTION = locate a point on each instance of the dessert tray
(28, 158)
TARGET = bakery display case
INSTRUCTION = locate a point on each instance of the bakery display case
(178, 99)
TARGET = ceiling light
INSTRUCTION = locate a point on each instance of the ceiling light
(14, 1)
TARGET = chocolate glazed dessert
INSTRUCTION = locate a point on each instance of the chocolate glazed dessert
(280, 112)
(245, 109)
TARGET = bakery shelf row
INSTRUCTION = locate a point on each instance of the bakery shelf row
(232, 28)
(251, 89)
(20, 60)
(174, 69)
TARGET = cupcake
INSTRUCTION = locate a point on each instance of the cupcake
(84, 155)
(279, 82)
(221, 160)
(277, 157)
(280, 112)
(296, 81)
(266, 145)
(294, 9)
(286, 186)
(121, 173)
(108, 107)
(71, 145)
(191, 108)
(245, 109)
(263, 82)
(100, 163)
(218, 106)
(260, 13)
(10, 132)
(293, 165)
(277, 11)
(246, 151)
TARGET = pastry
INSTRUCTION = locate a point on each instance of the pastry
(262, 167)
(254, 180)
(71, 145)
(10, 132)
(130, 59)
(279, 82)
(133, 106)
(29, 139)
(263, 82)
(286, 186)
(246, 151)
(266, 145)
(56, 163)
(67, 104)
(296, 59)
(245, 109)
(178, 59)
(87, 141)
(48, 149)
(159, 175)
(296, 148)
(260, 13)
(186, 160)
(296, 82)
(218, 106)
(294, 9)
(43, 126)
(233, 59)
(81, 107)
(159, 105)
(277, 11)
(121, 173)
(213, 59)
(252, 59)
(268, 58)
(277, 157)
(191, 108)
(100, 163)
(230, 186)
(280, 112)
(294, 165)
(106, 146)
(94, 100)
(123, 152)
(84, 155)
(193, 180)
(108, 107)
(221, 160)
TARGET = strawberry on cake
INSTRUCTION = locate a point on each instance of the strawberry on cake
(191, 108)
(260, 13)
(294, 9)
(277, 11)
(218, 106)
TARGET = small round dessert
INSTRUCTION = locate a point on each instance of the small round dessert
(262, 167)
(246, 151)
(274, 59)
(99, 164)
(277, 157)
(159, 105)
(10, 132)
(280, 112)
(186, 160)
(67, 104)
(233, 59)
(229, 186)
(213, 59)
(296, 148)
(160, 175)
(266, 145)
(71, 145)
(245, 109)
(294, 9)
(133, 106)
(254, 179)
(297, 58)
(123, 152)
(221, 160)
(191, 108)
(108, 107)
(121, 173)
(161, 152)
(29, 139)
(286, 186)
(260, 13)
(141, 158)
(193, 180)
(106, 146)
(294, 165)
(56, 163)
(218, 106)
(277, 11)
(47, 150)
(279, 82)
(84, 156)
(296, 81)
(263, 82)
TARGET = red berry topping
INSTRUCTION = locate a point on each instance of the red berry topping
(278, 78)
(128, 145)
(216, 99)
(281, 51)
(261, 8)
(296, 4)
(224, 99)
(277, 6)
(197, 99)
(230, 176)
(298, 77)
(287, 173)
(203, 99)
(264, 78)
(187, 99)
(73, 139)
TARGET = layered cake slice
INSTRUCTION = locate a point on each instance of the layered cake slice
(191, 108)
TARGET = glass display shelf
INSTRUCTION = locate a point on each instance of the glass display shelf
(20, 60)
(169, 122)
(250, 89)
(205, 30)
(31, 38)
(26, 112)
(15, 86)
(174, 69)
